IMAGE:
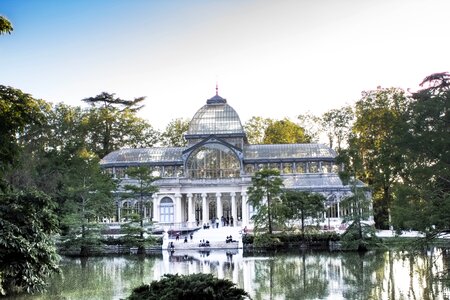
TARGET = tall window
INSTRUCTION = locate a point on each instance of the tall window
(166, 210)
(213, 161)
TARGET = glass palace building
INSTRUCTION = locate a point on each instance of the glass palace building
(209, 177)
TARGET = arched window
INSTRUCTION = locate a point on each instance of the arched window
(213, 161)
(166, 210)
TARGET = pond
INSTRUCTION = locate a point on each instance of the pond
(293, 275)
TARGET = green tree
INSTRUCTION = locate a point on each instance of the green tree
(27, 252)
(303, 205)
(173, 135)
(311, 124)
(47, 148)
(17, 111)
(5, 26)
(195, 286)
(88, 198)
(255, 129)
(425, 146)
(359, 235)
(375, 135)
(265, 196)
(337, 125)
(285, 132)
(143, 188)
(113, 124)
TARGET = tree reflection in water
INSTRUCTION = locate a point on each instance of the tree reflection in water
(296, 275)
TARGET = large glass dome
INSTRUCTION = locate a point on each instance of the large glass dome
(216, 117)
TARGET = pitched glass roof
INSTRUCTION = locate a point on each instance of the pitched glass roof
(315, 180)
(280, 151)
(216, 117)
(144, 155)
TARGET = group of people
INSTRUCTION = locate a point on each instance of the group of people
(229, 239)
(177, 237)
(215, 222)
(204, 243)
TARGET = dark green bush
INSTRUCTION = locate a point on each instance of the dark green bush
(285, 239)
(196, 286)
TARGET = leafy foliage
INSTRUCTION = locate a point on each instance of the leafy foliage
(173, 135)
(88, 197)
(302, 205)
(374, 145)
(265, 196)
(425, 147)
(255, 129)
(311, 124)
(285, 132)
(195, 286)
(27, 252)
(5, 26)
(17, 111)
(113, 124)
(337, 125)
(143, 189)
(360, 236)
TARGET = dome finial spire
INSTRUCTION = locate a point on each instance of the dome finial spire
(217, 88)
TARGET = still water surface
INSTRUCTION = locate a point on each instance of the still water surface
(299, 275)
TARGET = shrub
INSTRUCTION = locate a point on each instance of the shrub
(196, 286)
(268, 241)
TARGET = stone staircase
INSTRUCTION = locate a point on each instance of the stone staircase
(215, 236)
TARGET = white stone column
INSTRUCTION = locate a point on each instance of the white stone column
(191, 217)
(178, 208)
(155, 208)
(205, 210)
(219, 207)
(244, 209)
(233, 208)
(338, 210)
(118, 211)
(144, 209)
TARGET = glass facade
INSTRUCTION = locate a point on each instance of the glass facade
(209, 178)
(144, 155)
(213, 161)
(218, 149)
(283, 151)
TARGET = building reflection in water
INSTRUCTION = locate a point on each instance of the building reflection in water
(299, 275)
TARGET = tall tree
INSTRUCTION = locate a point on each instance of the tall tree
(17, 111)
(113, 124)
(143, 189)
(27, 251)
(265, 195)
(5, 26)
(359, 235)
(375, 135)
(311, 124)
(303, 205)
(255, 129)
(48, 148)
(88, 198)
(337, 124)
(425, 145)
(109, 101)
(285, 132)
(173, 135)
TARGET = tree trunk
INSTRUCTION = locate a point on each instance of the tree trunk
(269, 214)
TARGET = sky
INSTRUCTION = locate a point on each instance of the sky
(272, 58)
